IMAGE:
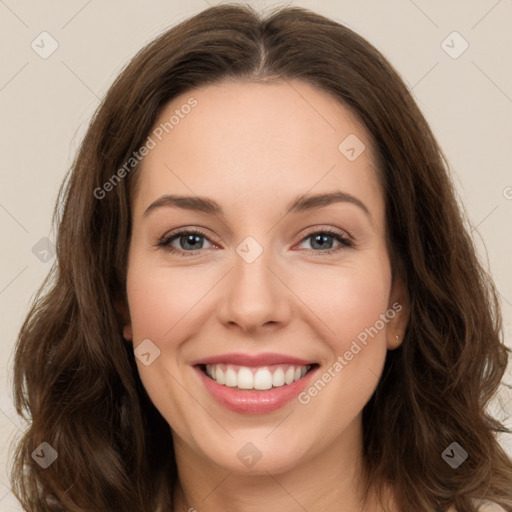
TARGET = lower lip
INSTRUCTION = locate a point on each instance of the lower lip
(254, 402)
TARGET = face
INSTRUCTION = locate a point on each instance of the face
(252, 276)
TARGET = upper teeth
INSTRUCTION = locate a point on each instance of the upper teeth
(260, 378)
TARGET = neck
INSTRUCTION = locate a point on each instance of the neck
(328, 481)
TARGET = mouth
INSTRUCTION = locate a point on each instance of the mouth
(255, 389)
(256, 378)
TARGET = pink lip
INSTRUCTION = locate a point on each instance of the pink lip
(256, 360)
(254, 402)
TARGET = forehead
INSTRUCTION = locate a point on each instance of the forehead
(245, 141)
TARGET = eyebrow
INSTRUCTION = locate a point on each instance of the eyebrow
(301, 203)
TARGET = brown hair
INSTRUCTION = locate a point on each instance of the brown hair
(76, 377)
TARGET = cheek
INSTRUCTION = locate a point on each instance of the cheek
(362, 299)
(159, 298)
(355, 309)
(160, 302)
(347, 299)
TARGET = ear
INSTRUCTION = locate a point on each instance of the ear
(398, 313)
(122, 307)
(127, 332)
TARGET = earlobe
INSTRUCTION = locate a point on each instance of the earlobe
(125, 319)
(399, 304)
(127, 332)
(393, 342)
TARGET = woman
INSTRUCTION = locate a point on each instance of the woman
(266, 297)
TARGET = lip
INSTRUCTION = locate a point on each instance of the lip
(264, 359)
(253, 402)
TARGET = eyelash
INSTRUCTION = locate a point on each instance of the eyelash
(165, 241)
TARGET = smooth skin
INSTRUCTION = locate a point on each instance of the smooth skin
(253, 147)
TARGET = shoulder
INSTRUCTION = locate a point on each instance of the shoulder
(485, 506)
(488, 506)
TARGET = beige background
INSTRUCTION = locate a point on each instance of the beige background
(46, 105)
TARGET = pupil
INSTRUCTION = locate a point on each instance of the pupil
(192, 240)
(321, 240)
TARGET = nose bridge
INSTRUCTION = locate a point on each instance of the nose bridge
(254, 295)
(252, 262)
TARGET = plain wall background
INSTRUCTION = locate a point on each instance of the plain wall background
(46, 105)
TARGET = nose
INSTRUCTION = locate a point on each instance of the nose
(254, 296)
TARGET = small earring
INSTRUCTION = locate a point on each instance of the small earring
(397, 338)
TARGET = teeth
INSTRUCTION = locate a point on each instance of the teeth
(219, 376)
(230, 378)
(277, 378)
(245, 379)
(262, 378)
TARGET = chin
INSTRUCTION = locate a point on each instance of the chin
(252, 459)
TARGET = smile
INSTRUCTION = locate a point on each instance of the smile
(254, 384)
(258, 378)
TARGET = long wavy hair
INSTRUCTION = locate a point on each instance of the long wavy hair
(75, 378)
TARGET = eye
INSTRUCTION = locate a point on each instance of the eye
(190, 241)
(323, 240)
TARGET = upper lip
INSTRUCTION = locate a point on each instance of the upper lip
(253, 360)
